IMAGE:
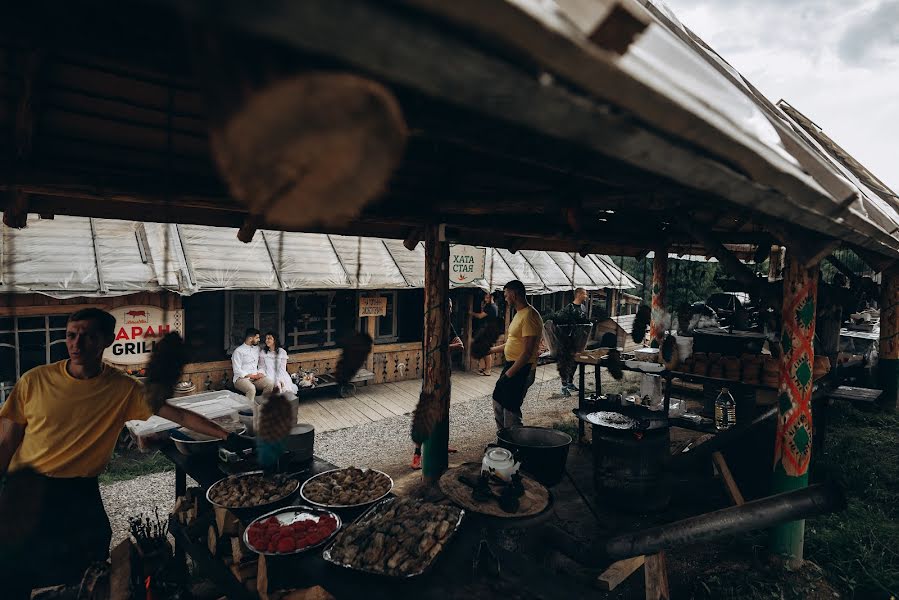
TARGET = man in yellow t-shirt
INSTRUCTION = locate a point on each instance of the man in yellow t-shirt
(58, 429)
(520, 353)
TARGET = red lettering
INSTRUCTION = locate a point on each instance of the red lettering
(149, 332)
(136, 332)
(121, 335)
(163, 329)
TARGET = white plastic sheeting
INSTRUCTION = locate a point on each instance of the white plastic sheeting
(56, 257)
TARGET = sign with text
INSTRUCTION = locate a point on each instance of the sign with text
(466, 263)
(373, 307)
(137, 329)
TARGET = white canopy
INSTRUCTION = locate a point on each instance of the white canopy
(78, 256)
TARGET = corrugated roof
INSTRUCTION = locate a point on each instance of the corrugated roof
(56, 257)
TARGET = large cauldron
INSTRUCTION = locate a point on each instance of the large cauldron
(541, 451)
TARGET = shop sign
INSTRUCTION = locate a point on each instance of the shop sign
(466, 263)
(373, 307)
(137, 330)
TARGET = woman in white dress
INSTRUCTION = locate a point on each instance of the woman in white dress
(273, 362)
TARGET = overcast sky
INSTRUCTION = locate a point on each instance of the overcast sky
(836, 61)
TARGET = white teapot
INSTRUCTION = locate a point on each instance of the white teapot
(499, 462)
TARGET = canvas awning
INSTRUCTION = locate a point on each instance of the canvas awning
(80, 256)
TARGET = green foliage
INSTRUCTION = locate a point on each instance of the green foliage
(688, 281)
(859, 547)
(128, 465)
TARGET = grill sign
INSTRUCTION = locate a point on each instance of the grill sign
(466, 263)
(137, 330)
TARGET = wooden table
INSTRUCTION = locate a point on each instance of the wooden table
(452, 571)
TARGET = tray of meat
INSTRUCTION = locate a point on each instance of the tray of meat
(398, 537)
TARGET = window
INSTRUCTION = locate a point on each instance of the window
(262, 310)
(310, 321)
(28, 342)
(386, 326)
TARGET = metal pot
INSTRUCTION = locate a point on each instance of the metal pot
(542, 452)
(197, 443)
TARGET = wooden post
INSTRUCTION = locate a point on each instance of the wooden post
(793, 444)
(613, 307)
(436, 378)
(659, 288)
(469, 334)
(371, 328)
(888, 362)
(775, 262)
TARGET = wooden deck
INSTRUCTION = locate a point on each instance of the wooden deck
(374, 402)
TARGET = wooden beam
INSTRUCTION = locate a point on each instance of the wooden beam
(815, 254)
(740, 271)
(618, 572)
(842, 267)
(26, 108)
(878, 262)
(15, 213)
(655, 574)
(732, 490)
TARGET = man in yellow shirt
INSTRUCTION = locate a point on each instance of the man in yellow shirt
(58, 429)
(520, 353)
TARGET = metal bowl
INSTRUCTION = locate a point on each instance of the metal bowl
(189, 445)
(341, 506)
(292, 514)
(247, 512)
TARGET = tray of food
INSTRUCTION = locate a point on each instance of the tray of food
(291, 530)
(349, 487)
(252, 491)
(398, 537)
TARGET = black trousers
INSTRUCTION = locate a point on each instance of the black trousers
(51, 530)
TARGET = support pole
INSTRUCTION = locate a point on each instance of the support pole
(469, 333)
(659, 288)
(436, 378)
(888, 362)
(793, 443)
(775, 262)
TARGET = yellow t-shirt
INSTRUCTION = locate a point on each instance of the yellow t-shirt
(525, 323)
(71, 425)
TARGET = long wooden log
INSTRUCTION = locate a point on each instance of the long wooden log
(435, 385)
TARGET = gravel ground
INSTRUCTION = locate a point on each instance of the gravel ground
(383, 444)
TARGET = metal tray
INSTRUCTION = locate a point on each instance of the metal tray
(292, 514)
(342, 506)
(369, 515)
(244, 510)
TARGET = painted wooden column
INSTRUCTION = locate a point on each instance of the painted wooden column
(793, 443)
(436, 379)
(888, 360)
(659, 289)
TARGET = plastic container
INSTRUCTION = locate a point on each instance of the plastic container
(725, 410)
(222, 405)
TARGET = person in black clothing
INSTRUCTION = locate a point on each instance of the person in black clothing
(488, 311)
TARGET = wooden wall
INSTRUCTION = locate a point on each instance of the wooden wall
(387, 359)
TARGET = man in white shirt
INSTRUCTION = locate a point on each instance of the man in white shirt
(248, 377)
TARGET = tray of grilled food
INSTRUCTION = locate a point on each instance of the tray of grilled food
(397, 538)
